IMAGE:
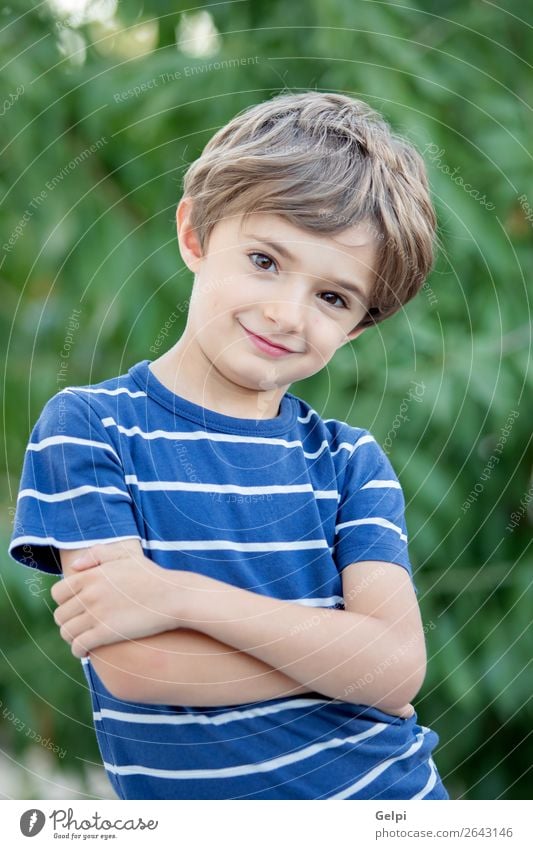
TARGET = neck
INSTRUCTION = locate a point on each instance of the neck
(198, 381)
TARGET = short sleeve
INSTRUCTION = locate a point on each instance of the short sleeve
(370, 521)
(72, 491)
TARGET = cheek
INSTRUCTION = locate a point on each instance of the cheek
(326, 334)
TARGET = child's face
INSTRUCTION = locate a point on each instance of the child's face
(270, 278)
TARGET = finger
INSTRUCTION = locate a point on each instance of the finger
(83, 563)
(101, 553)
(83, 644)
(78, 647)
(89, 558)
(74, 627)
(62, 591)
(68, 610)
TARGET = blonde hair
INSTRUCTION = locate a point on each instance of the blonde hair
(324, 162)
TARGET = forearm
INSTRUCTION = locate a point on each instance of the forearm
(186, 667)
(338, 653)
(343, 655)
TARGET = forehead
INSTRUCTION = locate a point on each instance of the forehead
(276, 228)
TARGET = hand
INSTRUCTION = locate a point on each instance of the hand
(111, 600)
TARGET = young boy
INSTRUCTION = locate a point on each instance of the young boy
(236, 574)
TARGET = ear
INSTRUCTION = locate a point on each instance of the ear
(189, 243)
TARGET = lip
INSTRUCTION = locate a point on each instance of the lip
(266, 346)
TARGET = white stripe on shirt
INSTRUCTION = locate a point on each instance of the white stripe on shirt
(68, 494)
(185, 435)
(186, 486)
(375, 520)
(250, 768)
(318, 602)
(430, 784)
(70, 440)
(109, 421)
(374, 773)
(305, 419)
(202, 718)
(59, 543)
(378, 484)
(122, 390)
(231, 545)
(363, 440)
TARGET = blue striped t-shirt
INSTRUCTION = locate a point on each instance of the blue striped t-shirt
(276, 506)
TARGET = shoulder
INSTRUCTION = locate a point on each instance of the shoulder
(307, 415)
(343, 438)
(356, 452)
(90, 402)
(112, 388)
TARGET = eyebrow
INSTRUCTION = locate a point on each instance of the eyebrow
(280, 249)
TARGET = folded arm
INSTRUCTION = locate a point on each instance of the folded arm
(371, 653)
(183, 666)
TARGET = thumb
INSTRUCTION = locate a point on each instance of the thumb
(91, 557)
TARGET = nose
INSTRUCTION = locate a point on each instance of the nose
(287, 316)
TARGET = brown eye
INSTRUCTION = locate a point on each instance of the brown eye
(262, 262)
(336, 298)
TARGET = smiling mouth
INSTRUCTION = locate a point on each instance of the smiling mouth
(266, 344)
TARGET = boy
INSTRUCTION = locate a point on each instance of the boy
(237, 581)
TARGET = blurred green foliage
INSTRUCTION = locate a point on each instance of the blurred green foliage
(90, 178)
